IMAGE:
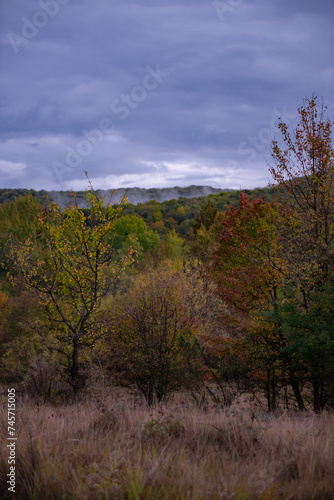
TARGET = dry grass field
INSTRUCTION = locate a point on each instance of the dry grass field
(117, 448)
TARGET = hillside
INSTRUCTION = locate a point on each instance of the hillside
(163, 209)
(135, 195)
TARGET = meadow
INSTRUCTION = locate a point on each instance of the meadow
(114, 446)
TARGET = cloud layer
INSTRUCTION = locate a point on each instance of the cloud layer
(155, 93)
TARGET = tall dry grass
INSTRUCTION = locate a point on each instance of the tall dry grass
(117, 449)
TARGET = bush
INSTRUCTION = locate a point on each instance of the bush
(153, 332)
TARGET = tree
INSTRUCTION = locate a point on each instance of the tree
(273, 264)
(131, 231)
(243, 260)
(74, 273)
(304, 171)
(153, 331)
(206, 216)
(18, 219)
(247, 269)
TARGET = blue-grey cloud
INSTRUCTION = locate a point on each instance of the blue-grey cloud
(154, 93)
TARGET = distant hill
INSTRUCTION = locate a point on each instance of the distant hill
(11, 194)
(163, 210)
(179, 214)
(135, 195)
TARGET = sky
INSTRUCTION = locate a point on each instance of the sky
(155, 93)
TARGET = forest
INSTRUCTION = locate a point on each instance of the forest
(220, 307)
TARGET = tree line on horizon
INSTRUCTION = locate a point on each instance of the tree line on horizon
(134, 194)
(174, 213)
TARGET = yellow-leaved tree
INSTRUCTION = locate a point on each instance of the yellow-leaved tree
(71, 271)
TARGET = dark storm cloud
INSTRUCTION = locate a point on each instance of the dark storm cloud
(154, 93)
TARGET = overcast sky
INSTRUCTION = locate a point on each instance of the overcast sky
(155, 93)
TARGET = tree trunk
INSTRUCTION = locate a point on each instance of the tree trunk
(296, 390)
(77, 381)
(318, 396)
